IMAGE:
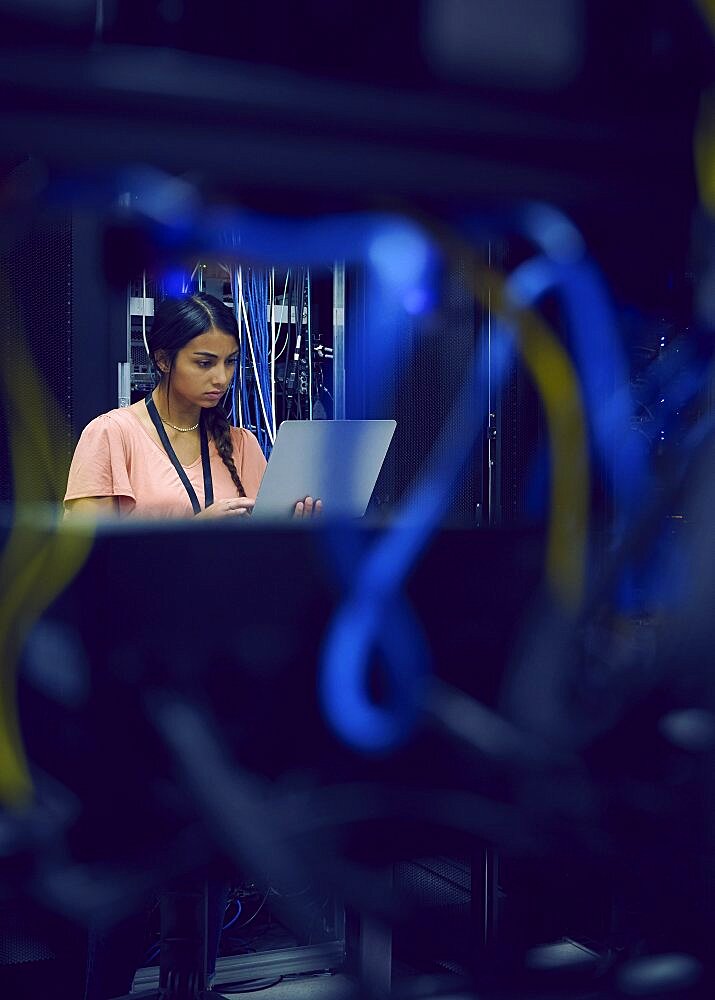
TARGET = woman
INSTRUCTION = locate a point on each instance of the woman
(175, 453)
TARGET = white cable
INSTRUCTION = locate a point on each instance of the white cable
(287, 308)
(236, 379)
(236, 283)
(273, 347)
(185, 284)
(282, 350)
(277, 356)
(269, 426)
(146, 345)
(310, 352)
(227, 269)
(283, 306)
(229, 272)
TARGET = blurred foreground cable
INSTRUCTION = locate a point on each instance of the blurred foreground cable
(375, 612)
(704, 151)
(557, 384)
(39, 557)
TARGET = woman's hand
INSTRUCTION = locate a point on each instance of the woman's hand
(308, 508)
(233, 507)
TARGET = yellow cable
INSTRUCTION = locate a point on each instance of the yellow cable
(708, 8)
(704, 151)
(38, 559)
(704, 136)
(557, 383)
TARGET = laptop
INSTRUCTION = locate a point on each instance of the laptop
(336, 461)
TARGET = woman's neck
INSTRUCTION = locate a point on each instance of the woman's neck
(175, 410)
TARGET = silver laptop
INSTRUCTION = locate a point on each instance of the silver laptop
(336, 461)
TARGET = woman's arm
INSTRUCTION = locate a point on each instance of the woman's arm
(92, 507)
(98, 475)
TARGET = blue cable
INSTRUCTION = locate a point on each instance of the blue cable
(563, 266)
(600, 360)
(232, 921)
(375, 612)
(256, 299)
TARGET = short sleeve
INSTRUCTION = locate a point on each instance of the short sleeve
(253, 461)
(99, 464)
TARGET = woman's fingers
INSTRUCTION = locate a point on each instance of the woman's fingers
(233, 507)
(308, 507)
(240, 505)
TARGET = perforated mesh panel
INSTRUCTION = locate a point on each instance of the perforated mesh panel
(435, 882)
(17, 948)
(431, 367)
(37, 270)
(140, 361)
(439, 889)
(522, 431)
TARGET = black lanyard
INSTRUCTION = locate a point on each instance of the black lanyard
(205, 461)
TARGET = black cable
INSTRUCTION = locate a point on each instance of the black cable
(252, 986)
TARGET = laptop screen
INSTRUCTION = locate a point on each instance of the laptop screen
(336, 461)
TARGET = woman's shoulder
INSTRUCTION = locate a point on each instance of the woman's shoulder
(101, 460)
(246, 443)
(117, 422)
(247, 437)
(243, 436)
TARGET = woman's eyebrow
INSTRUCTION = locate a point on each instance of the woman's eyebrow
(210, 354)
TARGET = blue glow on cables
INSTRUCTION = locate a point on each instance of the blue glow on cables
(601, 362)
(234, 918)
(174, 282)
(359, 626)
(375, 614)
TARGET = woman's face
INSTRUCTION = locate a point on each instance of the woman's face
(203, 368)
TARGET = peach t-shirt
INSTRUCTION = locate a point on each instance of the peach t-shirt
(116, 457)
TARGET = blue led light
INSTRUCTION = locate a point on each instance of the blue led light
(174, 282)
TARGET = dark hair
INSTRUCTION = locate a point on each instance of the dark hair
(176, 322)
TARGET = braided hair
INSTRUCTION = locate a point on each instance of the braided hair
(176, 322)
(220, 430)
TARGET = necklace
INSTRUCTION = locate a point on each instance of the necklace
(183, 430)
(175, 428)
